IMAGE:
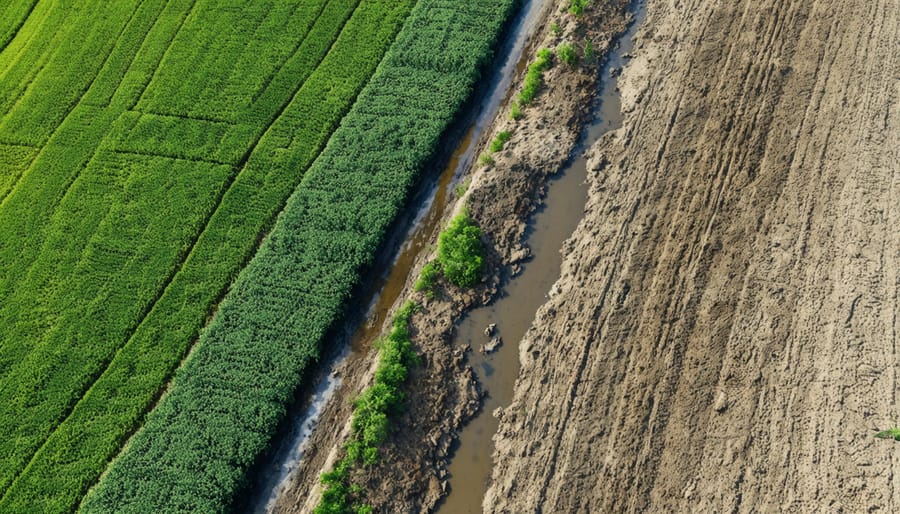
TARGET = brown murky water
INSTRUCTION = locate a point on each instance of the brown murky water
(514, 312)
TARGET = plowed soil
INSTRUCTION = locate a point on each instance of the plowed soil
(724, 336)
(442, 392)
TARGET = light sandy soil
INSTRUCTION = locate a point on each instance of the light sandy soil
(725, 334)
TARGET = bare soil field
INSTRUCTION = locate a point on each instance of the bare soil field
(724, 335)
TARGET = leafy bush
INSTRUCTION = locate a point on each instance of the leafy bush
(485, 159)
(461, 252)
(500, 141)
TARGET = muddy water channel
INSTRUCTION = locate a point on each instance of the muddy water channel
(514, 312)
(423, 222)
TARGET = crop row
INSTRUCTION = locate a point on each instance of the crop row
(117, 276)
(225, 402)
(213, 71)
(65, 148)
(12, 15)
(53, 60)
(55, 288)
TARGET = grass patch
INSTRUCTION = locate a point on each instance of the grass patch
(555, 29)
(371, 418)
(566, 54)
(428, 279)
(515, 110)
(576, 7)
(534, 76)
(461, 252)
(893, 433)
(463, 186)
(486, 159)
(500, 141)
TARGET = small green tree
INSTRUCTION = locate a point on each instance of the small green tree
(461, 252)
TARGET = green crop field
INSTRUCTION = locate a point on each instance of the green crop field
(146, 147)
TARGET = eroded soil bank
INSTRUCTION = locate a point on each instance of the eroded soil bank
(725, 334)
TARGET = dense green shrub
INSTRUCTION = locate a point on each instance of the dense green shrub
(589, 52)
(461, 252)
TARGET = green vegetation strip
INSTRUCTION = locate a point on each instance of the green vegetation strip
(534, 76)
(114, 241)
(533, 79)
(461, 256)
(227, 399)
(12, 16)
(371, 418)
